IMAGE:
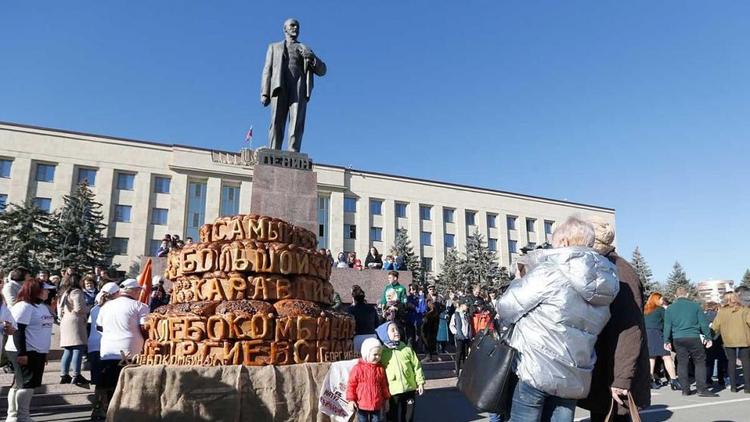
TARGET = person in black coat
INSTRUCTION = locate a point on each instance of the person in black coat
(374, 260)
(365, 317)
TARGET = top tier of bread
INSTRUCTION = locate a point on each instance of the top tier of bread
(246, 256)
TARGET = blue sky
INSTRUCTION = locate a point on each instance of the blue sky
(641, 106)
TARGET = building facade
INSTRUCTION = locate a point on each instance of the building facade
(151, 189)
(713, 290)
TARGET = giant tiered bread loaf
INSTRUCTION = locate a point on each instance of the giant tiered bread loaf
(254, 291)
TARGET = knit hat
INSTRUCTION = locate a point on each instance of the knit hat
(604, 236)
(368, 346)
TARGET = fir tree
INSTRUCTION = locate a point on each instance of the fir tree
(480, 265)
(644, 273)
(451, 273)
(678, 278)
(23, 237)
(77, 236)
(746, 279)
(402, 248)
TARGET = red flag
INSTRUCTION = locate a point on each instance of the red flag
(249, 135)
(144, 280)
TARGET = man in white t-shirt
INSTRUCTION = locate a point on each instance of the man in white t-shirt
(121, 322)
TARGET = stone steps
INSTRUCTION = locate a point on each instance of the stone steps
(51, 395)
(439, 369)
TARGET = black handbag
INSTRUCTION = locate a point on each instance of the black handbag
(487, 378)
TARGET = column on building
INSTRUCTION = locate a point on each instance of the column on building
(414, 226)
(523, 235)
(213, 198)
(362, 242)
(438, 238)
(481, 224)
(178, 203)
(20, 176)
(140, 216)
(503, 254)
(103, 191)
(63, 183)
(460, 219)
(336, 229)
(246, 188)
(389, 224)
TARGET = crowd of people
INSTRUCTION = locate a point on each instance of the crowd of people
(170, 242)
(101, 323)
(584, 333)
(406, 321)
(373, 261)
(705, 341)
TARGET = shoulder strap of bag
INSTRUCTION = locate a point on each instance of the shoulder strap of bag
(632, 409)
(634, 416)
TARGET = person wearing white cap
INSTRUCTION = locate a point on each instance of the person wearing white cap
(121, 323)
(108, 292)
(27, 348)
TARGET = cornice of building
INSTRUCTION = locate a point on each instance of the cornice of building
(164, 145)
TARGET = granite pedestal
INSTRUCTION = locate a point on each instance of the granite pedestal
(287, 193)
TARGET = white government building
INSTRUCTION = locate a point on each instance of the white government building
(150, 189)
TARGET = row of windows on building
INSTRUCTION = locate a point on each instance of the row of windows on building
(425, 213)
(229, 205)
(45, 172)
(425, 238)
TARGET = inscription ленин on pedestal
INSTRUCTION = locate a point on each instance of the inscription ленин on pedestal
(286, 159)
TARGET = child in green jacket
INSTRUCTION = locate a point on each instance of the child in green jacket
(404, 373)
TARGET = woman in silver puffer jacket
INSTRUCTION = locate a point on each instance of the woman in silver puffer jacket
(558, 307)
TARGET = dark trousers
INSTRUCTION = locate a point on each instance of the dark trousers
(744, 354)
(462, 349)
(411, 335)
(687, 348)
(430, 338)
(96, 366)
(401, 407)
(715, 357)
(368, 415)
(29, 375)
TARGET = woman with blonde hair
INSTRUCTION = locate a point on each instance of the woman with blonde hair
(654, 318)
(733, 324)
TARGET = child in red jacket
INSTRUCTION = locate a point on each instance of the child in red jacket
(368, 385)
